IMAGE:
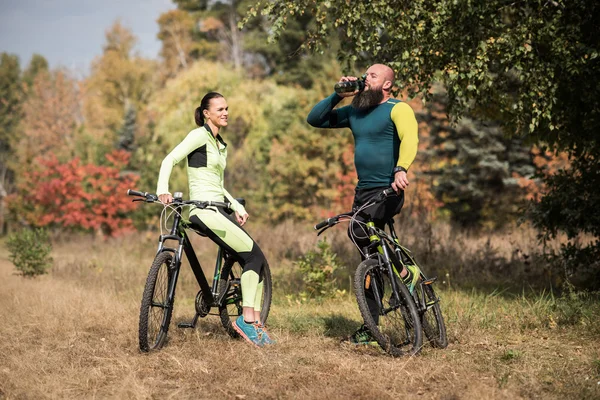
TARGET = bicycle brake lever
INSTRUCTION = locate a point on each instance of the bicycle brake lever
(322, 230)
(134, 200)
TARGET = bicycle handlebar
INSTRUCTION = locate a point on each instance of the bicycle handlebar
(322, 224)
(152, 198)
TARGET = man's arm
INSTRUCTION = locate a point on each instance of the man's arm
(324, 116)
(408, 131)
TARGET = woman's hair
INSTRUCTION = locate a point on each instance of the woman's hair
(204, 104)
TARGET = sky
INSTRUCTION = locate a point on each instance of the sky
(71, 33)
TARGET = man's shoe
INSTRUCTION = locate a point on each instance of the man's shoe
(412, 278)
(248, 331)
(362, 337)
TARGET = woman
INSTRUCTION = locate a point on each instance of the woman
(206, 154)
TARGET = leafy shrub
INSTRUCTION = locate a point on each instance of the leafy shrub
(30, 251)
(78, 196)
(318, 268)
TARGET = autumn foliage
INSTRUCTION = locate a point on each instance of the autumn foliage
(77, 196)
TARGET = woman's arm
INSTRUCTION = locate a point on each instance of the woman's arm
(192, 141)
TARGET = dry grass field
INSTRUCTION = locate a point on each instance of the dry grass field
(72, 334)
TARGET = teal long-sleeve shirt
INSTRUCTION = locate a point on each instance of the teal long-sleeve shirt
(385, 136)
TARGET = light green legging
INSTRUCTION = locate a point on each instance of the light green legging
(224, 230)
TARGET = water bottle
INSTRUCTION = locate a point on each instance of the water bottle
(350, 86)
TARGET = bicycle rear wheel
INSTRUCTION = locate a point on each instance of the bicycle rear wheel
(431, 315)
(155, 312)
(230, 293)
(396, 327)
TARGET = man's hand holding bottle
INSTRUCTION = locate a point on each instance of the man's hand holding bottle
(349, 86)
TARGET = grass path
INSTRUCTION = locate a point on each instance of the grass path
(61, 339)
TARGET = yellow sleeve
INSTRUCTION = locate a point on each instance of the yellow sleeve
(408, 131)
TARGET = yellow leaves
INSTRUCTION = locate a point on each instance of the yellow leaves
(211, 24)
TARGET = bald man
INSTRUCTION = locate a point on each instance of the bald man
(385, 134)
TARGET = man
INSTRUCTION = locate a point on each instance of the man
(385, 134)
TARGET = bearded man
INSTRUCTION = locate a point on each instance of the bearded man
(385, 134)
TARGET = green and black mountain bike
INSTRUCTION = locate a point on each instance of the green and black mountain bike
(400, 316)
(224, 294)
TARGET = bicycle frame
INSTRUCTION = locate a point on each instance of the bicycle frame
(178, 233)
(403, 258)
(394, 263)
(386, 257)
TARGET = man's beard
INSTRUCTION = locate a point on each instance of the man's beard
(367, 99)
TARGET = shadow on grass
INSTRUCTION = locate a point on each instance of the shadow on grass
(339, 327)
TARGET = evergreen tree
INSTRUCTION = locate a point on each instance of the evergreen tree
(126, 134)
(475, 167)
(37, 65)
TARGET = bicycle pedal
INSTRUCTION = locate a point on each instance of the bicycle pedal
(429, 281)
(186, 325)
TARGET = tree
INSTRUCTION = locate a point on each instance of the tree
(11, 97)
(216, 33)
(52, 118)
(532, 65)
(218, 36)
(126, 134)
(118, 79)
(510, 59)
(37, 65)
(476, 169)
(175, 32)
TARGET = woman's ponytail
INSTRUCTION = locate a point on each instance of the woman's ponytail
(199, 117)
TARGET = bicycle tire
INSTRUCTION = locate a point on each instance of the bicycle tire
(155, 313)
(231, 306)
(432, 320)
(399, 331)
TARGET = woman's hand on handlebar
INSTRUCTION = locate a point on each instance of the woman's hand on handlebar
(165, 198)
(241, 219)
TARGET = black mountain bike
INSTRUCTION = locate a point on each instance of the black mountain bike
(225, 293)
(401, 316)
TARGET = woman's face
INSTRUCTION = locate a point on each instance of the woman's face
(217, 112)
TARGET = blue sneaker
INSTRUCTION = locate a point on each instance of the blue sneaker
(266, 339)
(248, 331)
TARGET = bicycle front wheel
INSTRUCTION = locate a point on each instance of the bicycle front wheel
(393, 321)
(155, 312)
(230, 293)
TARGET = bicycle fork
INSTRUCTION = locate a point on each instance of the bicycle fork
(384, 258)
